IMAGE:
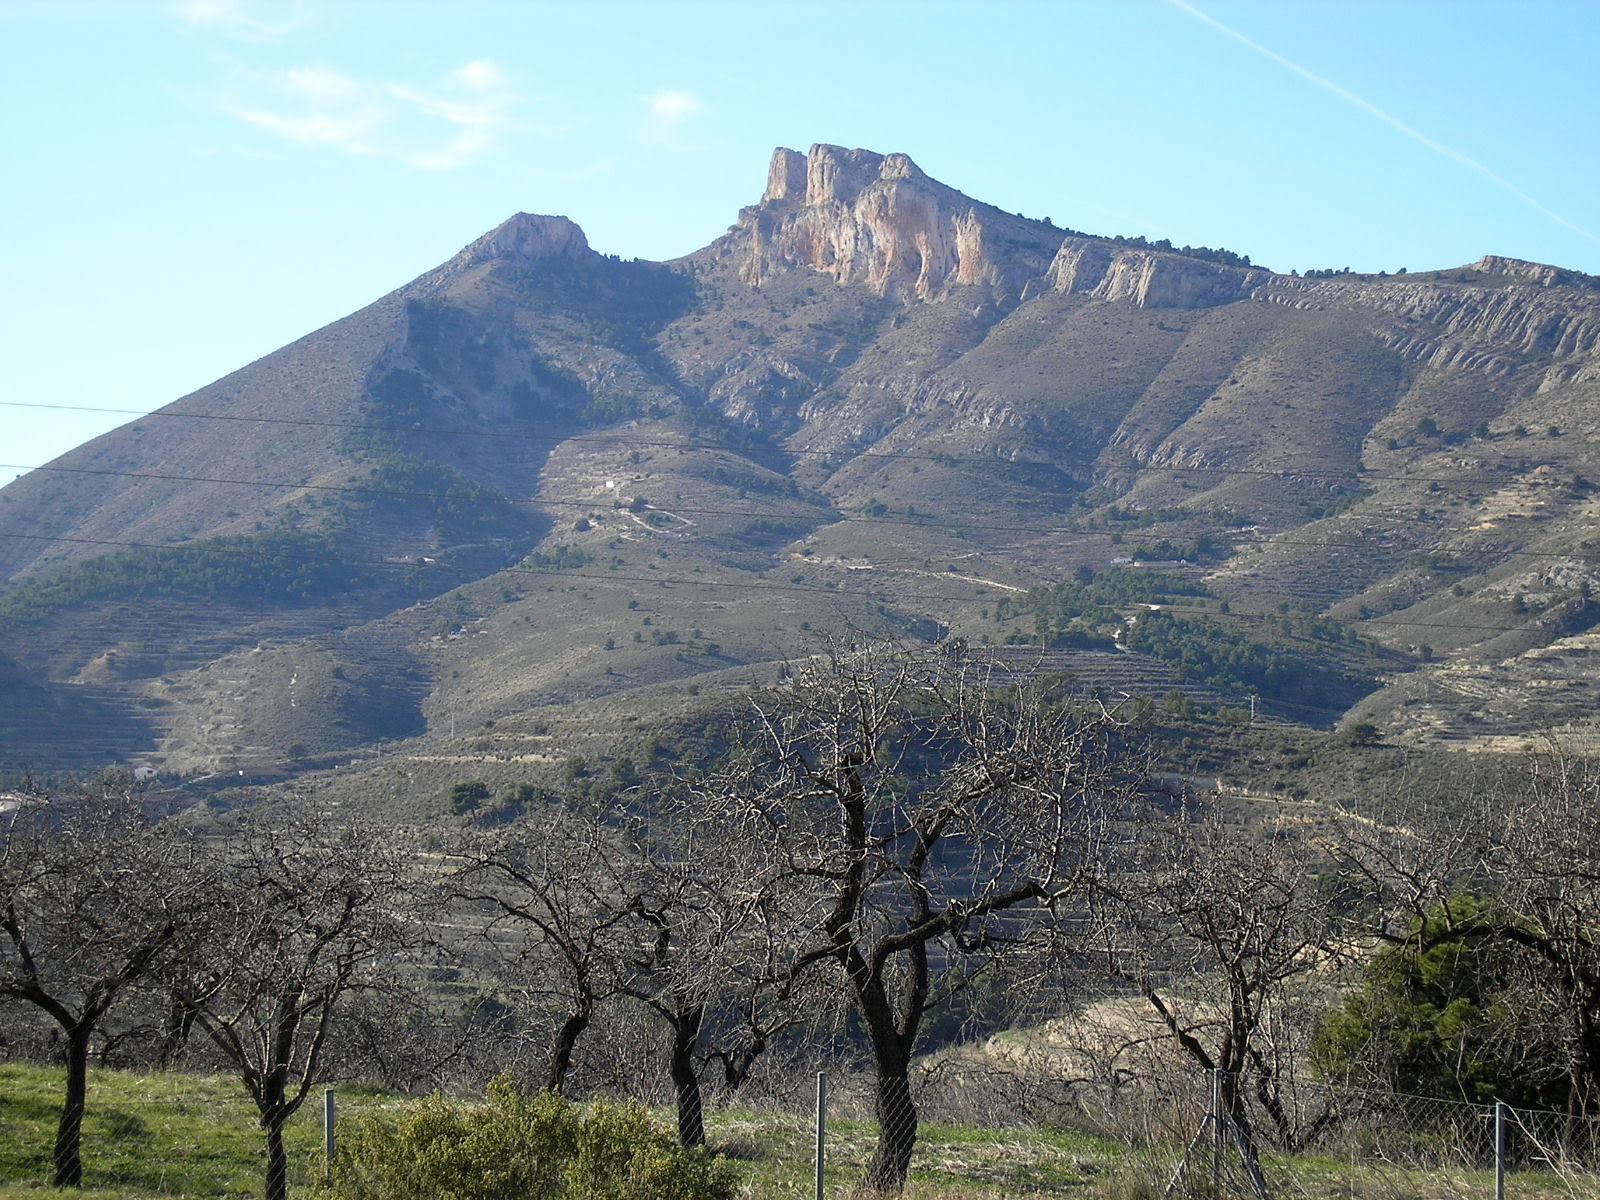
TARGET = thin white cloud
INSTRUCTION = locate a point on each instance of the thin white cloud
(1389, 119)
(667, 112)
(321, 85)
(479, 75)
(440, 128)
(239, 18)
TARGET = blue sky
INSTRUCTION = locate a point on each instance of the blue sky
(191, 184)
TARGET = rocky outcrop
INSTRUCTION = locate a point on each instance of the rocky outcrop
(1460, 326)
(877, 220)
(758, 389)
(786, 177)
(526, 236)
(1541, 274)
(1147, 278)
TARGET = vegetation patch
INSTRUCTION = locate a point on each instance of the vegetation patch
(457, 504)
(281, 567)
(522, 1147)
(1205, 651)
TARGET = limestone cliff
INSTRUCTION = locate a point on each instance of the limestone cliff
(877, 220)
(1147, 278)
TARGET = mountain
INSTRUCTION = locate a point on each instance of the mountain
(543, 498)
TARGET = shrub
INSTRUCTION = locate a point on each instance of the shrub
(1438, 1015)
(520, 1147)
(1358, 733)
(465, 797)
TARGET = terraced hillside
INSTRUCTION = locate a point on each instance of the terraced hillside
(541, 482)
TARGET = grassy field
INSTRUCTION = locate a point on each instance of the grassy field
(180, 1135)
(191, 1136)
(146, 1135)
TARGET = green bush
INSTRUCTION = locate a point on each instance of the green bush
(465, 797)
(1441, 1014)
(519, 1146)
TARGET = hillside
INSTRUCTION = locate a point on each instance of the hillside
(542, 492)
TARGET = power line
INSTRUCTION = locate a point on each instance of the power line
(831, 517)
(560, 572)
(689, 444)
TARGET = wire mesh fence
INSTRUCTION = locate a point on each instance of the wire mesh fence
(943, 1133)
(153, 1135)
(1261, 1139)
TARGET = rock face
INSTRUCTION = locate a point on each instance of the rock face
(1148, 278)
(1463, 326)
(877, 220)
(1530, 272)
(526, 236)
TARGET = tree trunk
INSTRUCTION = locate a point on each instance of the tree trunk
(1235, 1112)
(897, 1133)
(1586, 1081)
(892, 1041)
(68, 1160)
(691, 1115)
(561, 1048)
(277, 1159)
(175, 1029)
(274, 1115)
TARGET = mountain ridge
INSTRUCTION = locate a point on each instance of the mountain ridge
(872, 391)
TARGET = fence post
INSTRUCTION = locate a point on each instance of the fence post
(822, 1126)
(1499, 1150)
(327, 1134)
(1217, 1135)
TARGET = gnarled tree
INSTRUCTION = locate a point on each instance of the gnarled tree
(1217, 922)
(552, 900)
(95, 898)
(707, 958)
(306, 915)
(908, 816)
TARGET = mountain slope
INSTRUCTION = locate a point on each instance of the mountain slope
(541, 476)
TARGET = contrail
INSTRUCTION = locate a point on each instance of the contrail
(1394, 122)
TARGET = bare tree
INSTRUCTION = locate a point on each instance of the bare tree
(1216, 924)
(307, 914)
(1543, 862)
(907, 821)
(708, 963)
(552, 902)
(95, 897)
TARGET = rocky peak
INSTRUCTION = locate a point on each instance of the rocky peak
(878, 220)
(527, 236)
(786, 177)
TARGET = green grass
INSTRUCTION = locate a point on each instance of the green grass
(181, 1135)
(189, 1136)
(953, 1162)
(151, 1135)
